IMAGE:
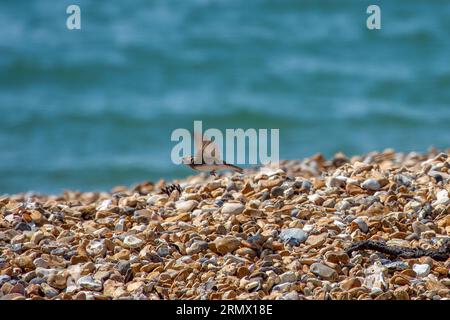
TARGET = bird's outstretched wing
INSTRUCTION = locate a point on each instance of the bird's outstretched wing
(206, 151)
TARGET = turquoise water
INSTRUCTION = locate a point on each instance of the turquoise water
(95, 108)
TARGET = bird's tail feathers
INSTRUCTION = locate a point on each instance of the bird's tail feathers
(235, 168)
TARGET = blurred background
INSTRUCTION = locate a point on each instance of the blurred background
(94, 108)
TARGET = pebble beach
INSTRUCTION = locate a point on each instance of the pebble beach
(303, 230)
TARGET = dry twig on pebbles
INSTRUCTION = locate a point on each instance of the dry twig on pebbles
(440, 254)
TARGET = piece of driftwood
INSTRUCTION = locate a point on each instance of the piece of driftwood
(440, 254)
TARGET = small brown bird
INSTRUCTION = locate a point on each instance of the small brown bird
(205, 160)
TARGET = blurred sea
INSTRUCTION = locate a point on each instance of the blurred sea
(95, 108)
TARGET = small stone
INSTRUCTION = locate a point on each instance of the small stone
(444, 222)
(227, 244)
(49, 291)
(293, 236)
(120, 226)
(57, 280)
(78, 259)
(442, 198)
(102, 275)
(4, 278)
(315, 241)
(163, 251)
(89, 283)
(154, 199)
(375, 276)
(323, 271)
(293, 295)
(123, 254)
(18, 288)
(446, 282)
(306, 185)
(18, 240)
(24, 261)
(362, 225)
(412, 236)
(245, 252)
(288, 192)
(32, 289)
(6, 287)
(12, 296)
(288, 276)
(135, 286)
(422, 270)
(337, 257)
(242, 272)
(95, 248)
(402, 180)
(252, 285)
(350, 284)
(143, 215)
(197, 246)
(401, 295)
(110, 286)
(336, 182)
(277, 192)
(232, 208)
(316, 199)
(186, 206)
(430, 234)
(123, 266)
(22, 226)
(432, 284)
(418, 227)
(44, 273)
(398, 243)
(37, 281)
(133, 242)
(329, 203)
(213, 185)
(340, 224)
(283, 287)
(104, 205)
(371, 184)
(80, 296)
(265, 196)
(343, 205)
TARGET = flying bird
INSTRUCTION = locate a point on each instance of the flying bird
(207, 158)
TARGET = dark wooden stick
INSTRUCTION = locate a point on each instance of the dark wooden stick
(440, 254)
